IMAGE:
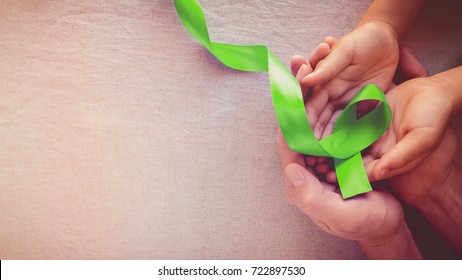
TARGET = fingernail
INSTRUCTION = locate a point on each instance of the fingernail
(295, 176)
(383, 173)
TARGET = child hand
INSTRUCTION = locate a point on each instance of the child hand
(421, 111)
(353, 61)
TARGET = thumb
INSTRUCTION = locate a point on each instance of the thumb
(328, 68)
(326, 208)
(405, 155)
(305, 187)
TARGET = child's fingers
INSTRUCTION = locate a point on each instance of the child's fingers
(321, 51)
(410, 66)
(315, 106)
(296, 62)
(302, 72)
(369, 163)
(300, 69)
(329, 128)
(329, 40)
(329, 67)
(323, 120)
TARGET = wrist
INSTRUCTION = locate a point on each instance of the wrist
(384, 27)
(443, 208)
(395, 13)
(399, 245)
(451, 84)
(444, 194)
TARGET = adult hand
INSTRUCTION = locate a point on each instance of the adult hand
(374, 219)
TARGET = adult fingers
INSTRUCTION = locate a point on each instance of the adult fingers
(288, 156)
(327, 208)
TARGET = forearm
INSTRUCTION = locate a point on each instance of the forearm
(397, 14)
(444, 209)
(451, 83)
(398, 247)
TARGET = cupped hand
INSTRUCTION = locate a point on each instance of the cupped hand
(417, 151)
(372, 217)
(367, 55)
(421, 112)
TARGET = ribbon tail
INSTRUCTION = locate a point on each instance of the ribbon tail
(351, 175)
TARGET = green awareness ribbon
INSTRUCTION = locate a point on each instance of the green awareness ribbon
(350, 135)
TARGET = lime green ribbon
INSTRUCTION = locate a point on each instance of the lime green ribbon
(350, 135)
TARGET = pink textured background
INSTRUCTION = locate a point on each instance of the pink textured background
(121, 137)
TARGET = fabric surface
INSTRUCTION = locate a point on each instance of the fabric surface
(90, 167)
